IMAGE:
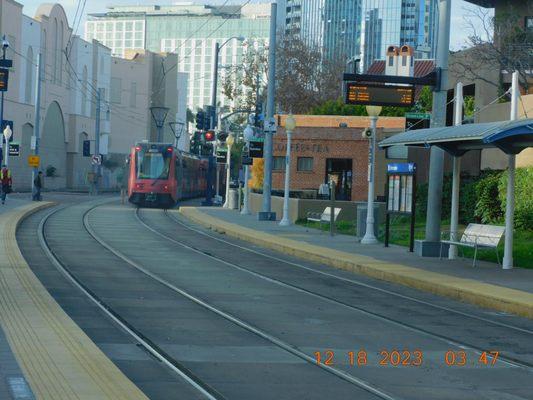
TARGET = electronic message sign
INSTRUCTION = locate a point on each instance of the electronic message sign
(380, 95)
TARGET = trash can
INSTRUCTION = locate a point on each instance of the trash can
(361, 220)
(233, 205)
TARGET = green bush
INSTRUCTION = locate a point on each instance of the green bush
(523, 196)
(488, 206)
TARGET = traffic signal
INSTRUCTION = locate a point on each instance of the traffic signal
(86, 148)
(209, 136)
(222, 136)
(210, 117)
(201, 120)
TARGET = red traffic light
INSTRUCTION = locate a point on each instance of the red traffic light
(209, 136)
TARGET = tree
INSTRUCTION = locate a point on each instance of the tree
(503, 43)
(242, 83)
(305, 78)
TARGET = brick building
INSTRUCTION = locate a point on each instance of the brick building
(332, 147)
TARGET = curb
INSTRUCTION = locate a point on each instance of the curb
(466, 290)
(57, 358)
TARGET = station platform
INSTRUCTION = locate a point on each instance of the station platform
(485, 285)
(43, 353)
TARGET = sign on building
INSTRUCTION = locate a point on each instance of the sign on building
(14, 149)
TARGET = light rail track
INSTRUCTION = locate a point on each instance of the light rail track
(360, 383)
(203, 388)
(348, 280)
(511, 361)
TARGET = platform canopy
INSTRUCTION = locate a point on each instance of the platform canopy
(510, 136)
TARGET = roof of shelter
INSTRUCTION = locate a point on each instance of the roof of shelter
(509, 136)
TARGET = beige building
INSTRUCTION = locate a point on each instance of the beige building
(73, 70)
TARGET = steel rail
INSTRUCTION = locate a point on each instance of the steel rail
(159, 354)
(360, 383)
(511, 361)
(353, 281)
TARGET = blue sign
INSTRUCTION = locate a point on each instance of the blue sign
(401, 168)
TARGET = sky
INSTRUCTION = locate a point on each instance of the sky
(459, 28)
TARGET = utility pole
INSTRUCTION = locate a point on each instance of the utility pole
(213, 117)
(267, 214)
(96, 168)
(430, 246)
(5, 45)
(37, 120)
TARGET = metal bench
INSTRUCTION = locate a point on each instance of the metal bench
(478, 236)
(324, 217)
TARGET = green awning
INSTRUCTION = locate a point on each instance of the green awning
(510, 136)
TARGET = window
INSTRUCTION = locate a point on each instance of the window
(278, 163)
(404, 61)
(391, 61)
(305, 164)
(529, 23)
(133, 94)
(116, 90)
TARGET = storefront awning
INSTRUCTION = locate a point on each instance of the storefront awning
(509, 136)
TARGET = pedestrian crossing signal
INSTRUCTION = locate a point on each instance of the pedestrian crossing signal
(86, 148)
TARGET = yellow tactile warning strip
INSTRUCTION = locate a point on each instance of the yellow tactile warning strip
(58, 359)
(467, 290)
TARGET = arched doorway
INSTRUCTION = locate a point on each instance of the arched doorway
(53, 148)
(19, 165)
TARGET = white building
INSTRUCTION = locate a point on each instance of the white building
(73, 70)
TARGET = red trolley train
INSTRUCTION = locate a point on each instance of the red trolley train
(160, 175)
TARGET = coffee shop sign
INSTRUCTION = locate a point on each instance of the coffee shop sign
(303, 148)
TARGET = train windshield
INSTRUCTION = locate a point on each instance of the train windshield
(152, 165)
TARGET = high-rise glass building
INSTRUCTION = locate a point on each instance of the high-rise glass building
(333, 26)
(399, 22)
(189, 30)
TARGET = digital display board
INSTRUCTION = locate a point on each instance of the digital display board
(4, 76)
(380, 95)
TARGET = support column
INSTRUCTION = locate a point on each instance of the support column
(456, 183)
(509, 205)
(430, 246)
(267, 214)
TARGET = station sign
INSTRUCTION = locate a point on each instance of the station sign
(401, 168)
(34, 161)
(14, 149)
(4, 77)
(256, 149)
(222, 155)
(380, 95)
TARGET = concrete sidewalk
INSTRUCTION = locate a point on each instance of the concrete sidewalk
(486, 285)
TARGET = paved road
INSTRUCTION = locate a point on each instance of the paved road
(249, 324)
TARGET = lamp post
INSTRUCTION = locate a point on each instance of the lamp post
(214, 121)
(290, 124)
(177, 128)
(229, 142)
(248, 135)
(369, 238)
(7, 135)
(159, 114)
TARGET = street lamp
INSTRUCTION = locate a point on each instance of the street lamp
(7, 135)
(369, 238)
(248, 135)
(290, 124)
(214, 122)
(177, 128)
(229, 142)
(159, 114)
